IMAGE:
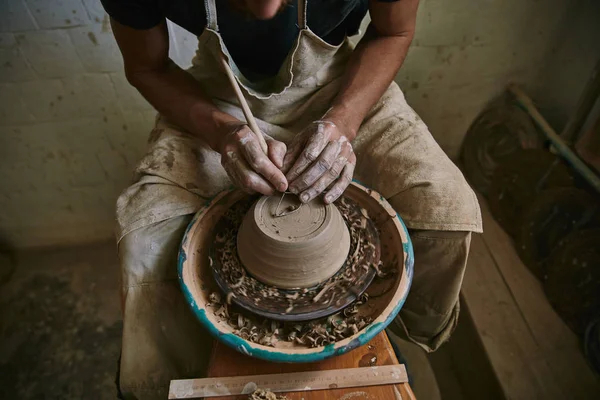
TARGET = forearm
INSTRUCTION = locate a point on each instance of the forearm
(372, 67)
(176, 95)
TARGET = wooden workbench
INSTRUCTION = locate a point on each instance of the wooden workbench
(228, 362)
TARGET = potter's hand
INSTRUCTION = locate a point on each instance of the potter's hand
(248, 166)
(318, 157)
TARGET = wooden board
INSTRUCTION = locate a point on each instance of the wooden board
(533, 353)
(228, 362)
(505, 336)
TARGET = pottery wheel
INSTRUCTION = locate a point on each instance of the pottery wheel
(325, 298)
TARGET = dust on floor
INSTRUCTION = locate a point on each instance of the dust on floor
(60, 325)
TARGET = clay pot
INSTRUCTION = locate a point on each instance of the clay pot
(298, 250)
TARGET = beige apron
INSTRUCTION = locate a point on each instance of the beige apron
(397, 156)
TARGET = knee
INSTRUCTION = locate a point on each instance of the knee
(427, 331)
(151, 200)
(149, 254)
(442, 205)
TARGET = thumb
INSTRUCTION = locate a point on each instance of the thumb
(276, 151)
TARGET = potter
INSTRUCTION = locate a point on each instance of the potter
(329, 112)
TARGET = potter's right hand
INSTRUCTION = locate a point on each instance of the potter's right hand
(248, 166)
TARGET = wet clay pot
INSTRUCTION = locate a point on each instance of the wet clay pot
(299, 249)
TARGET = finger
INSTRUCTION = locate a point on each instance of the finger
(314, 147)
(330, 176)
(257, 183)
(322, 184)
(234, 172)
(235, 178)
(292, 154)
(277, 151)
(244, 177)
(323, 164)
(341, 184)
(260, 163)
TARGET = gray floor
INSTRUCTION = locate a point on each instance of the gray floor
(60, 325)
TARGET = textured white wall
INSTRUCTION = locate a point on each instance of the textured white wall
(466, 51)
(72, 129)
(574, 50)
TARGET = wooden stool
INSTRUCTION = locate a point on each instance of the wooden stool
(228, 362)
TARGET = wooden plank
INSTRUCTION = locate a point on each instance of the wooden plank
(228, 362)
(557, 346)
(508, 342)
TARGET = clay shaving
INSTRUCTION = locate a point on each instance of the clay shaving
(316, 333)
(260, 394)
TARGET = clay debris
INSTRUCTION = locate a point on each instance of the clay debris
(260, 394)
(311, 334)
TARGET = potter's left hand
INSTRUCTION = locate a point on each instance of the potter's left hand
(318, 157)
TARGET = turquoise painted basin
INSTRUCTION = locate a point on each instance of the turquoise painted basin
(197, 283)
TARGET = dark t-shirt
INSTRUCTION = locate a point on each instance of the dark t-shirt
(258, 47)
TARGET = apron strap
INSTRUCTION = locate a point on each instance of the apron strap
(302, 21)
(211, 14)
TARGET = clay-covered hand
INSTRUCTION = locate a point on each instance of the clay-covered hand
(319, 157)
(248, 166)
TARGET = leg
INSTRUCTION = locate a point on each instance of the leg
(176, 177)
(398, 157)
(162, 339)
(430, 313)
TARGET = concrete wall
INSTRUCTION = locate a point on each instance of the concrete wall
(466, 51)
(71, 128)
(573, 52)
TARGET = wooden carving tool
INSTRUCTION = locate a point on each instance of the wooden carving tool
(244, 104)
